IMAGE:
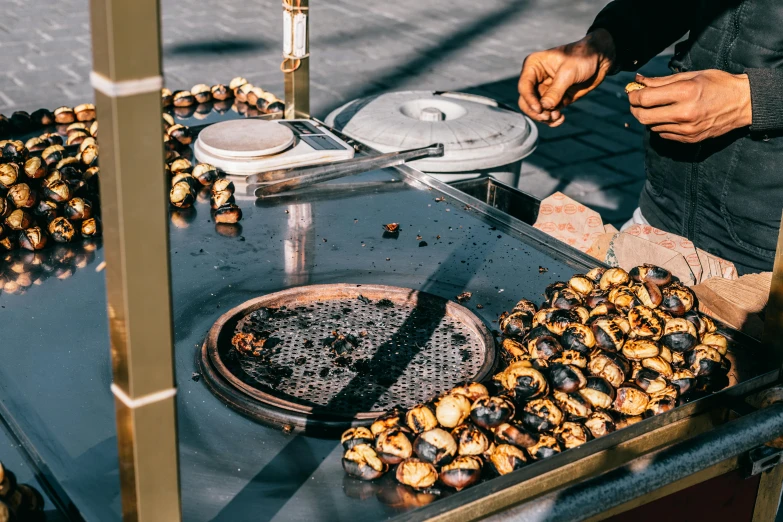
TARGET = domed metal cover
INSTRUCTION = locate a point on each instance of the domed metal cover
(477, 133)
(399, 347)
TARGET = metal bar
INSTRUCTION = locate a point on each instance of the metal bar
(653, 471)
(297, 73)
(127, 81)
(773, 325)
(768, 497)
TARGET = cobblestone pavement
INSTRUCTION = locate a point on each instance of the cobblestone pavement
(358, 48)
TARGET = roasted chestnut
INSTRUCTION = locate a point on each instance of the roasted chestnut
(579, 337)
(89, 156)
(702, 322)
(91, 227)
(612, 367)
(32, 238)
(652, 273)
(53, 154)
(202, 93)
(650, 381)
(544, 347)
(5, 208)
(354, 436)
(645, 323)
(506, 458)
(220, 92)
(677, 299)
(547, 446)
(220, 198)
(516, 323)
(703, 360)
(565, 299)
(42, 118)
(624, 299)
(572, 434)
(452, 410)
(166, 98)
(254, 95)
(228, 213)
(435, 446)
(61, 230)
(421, 418)
(390, 419)
(669, 391)
(64, 115)
(276, 106)
(9, 174)
(567, 379)
(716, 340)
(205, 173)
(78, 209)
(513, 348)
(684, 380)
(608, 334)
(36, 144)
(84, 112)
(598, 392)
(680, 335)
(22, 196)
(541, 415)
(180, 165)
(182, 195)
(362, 462)
(489, 412)
(35, 168)
(525, 381)
(630, 399)
(658, 405)
(572, 404)
(628, 420)
(572, 357)
(464, 471)
(19, 219)
(183, 99)
(394, 445)
(223, 185)
(613, 277)
(600, 423)
(556, 320)
(649, 294)
(605, 308)
(514, 433)
(553, 288)
(523, 305)
(581, 284)
(470, 439)
(658, 364)
(638, 349)
(236, 83)
(181, 134)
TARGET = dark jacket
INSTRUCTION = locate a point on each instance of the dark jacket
(725, 194)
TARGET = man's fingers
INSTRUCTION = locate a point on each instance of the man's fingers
(656, 96)
(660, 81)
(657, 115)
(528, 83)
(560, 84)
(557, 122)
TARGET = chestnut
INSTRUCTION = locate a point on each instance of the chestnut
(181, 134)
(182, 195)
(637, 349)
(516, 323)
(19, 219)
(525, 381)
(254, 95)
(605, 308)
(180, 165)
(608, 334)
(702, 322)
(612, 367)
(47, 209)
(435, 446)
(53, 154)
(630, 399)
(35, 168)
(652, 273)
(277, 106)
(572, 434)
(598, 392)
(5, 208)
(36, 144)
(9, 174)
(649, 294)
(220, 92)
(91, 227)
(78, 209)
(572, 404)
(452, 410)
(677, 299)
(76, 137)
(645, 324)
(658, 364)
(241, 92)
(513, 432)
(470, 439)
(390, 419)
(354, 436)
(183, 99)
(579, 337)
(393, 445)
(678, 359)
(523, 305)
(42, 118)
(581, 313)
(84, 112)
(421, 418)
(362, 462)
(650, 381)
(572, 357)
(659, 405)
(680, 335)
(547, 446)
(489, 412)
(166, 98)
(669, 391)
(596, 297)
(565, 299)
(716, 340)
(236, 83)
(205, 173)
(541, 415)
(600, 423)
(22, 196)
(223, 185)
(628, 420)
(624, 300)
(513, 348)
(89, 156)
(202, 93)
(544, 347)
(57, 190)
(462, 472)
(220, 198)
(32, 238)
(581, 284)
(61, 230)
(506, 458)
(703, 360)
(228, 213)
(567, 379)
(613, 277)
(553, 288)
(684, 380)
(64, 115)
(556, 320)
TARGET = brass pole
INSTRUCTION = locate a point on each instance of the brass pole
(127, 81)
(296, 64)
(773, 324)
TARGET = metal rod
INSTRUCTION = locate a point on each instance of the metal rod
(300, 177)
(652, 471)
(773, 324)
(134, 199)
(297, 72)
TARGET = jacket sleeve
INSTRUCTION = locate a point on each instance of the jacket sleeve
(766, 99)
(641, 29)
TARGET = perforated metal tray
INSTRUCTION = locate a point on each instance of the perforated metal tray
(407, 347)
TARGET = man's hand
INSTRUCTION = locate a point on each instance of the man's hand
(552, 79)
(693, 106)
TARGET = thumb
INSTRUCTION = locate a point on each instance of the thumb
(560, 84)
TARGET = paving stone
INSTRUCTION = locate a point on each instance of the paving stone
(630, 164)
(568, 150)
(588, 176)
(604, 142)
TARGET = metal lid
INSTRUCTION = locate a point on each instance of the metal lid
(477, 133)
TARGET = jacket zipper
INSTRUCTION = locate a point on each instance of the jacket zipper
(693, 196)
(735, 29)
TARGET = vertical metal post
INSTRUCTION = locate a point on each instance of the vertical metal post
(127, 81)
(773, 325)
(296, 53)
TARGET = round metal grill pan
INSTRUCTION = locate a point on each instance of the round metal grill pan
(409, 346)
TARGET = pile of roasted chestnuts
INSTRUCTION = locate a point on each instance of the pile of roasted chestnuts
(19, 501)
(239, 95)
(605, 350)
